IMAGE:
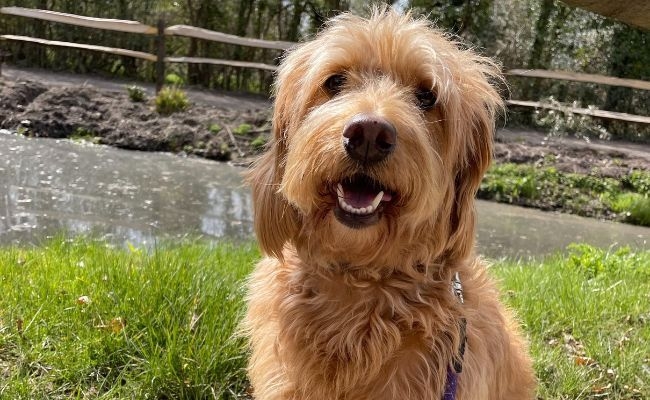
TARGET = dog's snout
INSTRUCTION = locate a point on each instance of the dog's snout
(369, 138)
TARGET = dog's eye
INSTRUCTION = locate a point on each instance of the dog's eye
(334, 84)
(425, 98)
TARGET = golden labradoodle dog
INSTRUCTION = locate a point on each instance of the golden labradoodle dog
(364, 208)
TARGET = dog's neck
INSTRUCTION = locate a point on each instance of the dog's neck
(390, 310)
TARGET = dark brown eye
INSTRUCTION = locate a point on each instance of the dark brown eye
(334, 84)
(425, 98)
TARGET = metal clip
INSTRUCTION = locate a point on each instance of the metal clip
(457, 288)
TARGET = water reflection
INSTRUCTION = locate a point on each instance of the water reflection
(50, 186)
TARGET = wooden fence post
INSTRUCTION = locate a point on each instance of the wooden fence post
(160, 55)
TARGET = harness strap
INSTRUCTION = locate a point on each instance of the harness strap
(451, 386)
(452, 374)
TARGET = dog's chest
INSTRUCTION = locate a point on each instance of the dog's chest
(360, 322)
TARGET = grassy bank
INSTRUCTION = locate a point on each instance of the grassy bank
(80, 320)
(547, 188)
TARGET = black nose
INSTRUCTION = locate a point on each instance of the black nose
(369, 138)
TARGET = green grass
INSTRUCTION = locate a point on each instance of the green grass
(159, 325)
(547, 188)
(635, 207)
(180, 306)
(587, 314)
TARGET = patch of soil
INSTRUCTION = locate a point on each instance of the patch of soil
(597, 158)
(110, 117)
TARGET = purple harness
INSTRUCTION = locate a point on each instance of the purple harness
(451, 386)
(452, 373)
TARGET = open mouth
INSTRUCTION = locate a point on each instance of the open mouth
(360, 201)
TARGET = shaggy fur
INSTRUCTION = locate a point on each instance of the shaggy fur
(338, 312)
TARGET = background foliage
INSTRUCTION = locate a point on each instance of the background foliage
(544, 34)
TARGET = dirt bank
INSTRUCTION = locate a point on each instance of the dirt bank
(110, 117)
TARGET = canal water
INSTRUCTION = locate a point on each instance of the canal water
(51, 186)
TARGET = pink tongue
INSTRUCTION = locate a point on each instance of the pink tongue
(359, 198)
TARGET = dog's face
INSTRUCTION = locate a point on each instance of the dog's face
(382, 132)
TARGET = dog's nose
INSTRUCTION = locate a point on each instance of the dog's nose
(369, 138)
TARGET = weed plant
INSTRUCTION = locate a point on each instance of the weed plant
(242, 129)
(171, 99)
(550, 189)
(136, 93)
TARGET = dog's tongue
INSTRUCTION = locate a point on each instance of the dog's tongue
(361, 196)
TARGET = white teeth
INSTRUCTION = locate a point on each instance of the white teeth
(340, 193)
(377, 199)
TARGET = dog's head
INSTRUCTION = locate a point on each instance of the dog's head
(382, 130)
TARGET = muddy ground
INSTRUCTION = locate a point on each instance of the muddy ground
(46, 104)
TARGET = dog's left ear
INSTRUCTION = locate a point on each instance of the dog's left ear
(480, 103)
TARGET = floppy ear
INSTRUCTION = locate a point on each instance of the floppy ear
(482, 101)
(276, 221)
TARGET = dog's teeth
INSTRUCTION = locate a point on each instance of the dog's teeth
(377, 200)
(340, 192)
(354, 210)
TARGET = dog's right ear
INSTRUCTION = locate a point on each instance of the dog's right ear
(276, 221)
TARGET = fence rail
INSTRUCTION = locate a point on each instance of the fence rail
(577, 77)
(619, 116)
(78, 20)
(137, 27)
(104, 49)
(161, 31)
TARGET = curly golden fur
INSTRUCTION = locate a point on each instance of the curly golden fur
(355, 311)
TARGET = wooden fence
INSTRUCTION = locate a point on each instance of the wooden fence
(586, 78)
(160, 58)
(159, 32)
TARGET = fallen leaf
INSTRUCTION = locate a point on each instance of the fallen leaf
(194, 320)
(117, 324)
(584, 361)
(601, 389)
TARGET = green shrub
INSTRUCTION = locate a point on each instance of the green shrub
(174, 80)
(635, 207)
(259, 142)
(509, 182)
(215, 128)
(170, 100)
(561, 121)
(81, 133)
(593, 261)
(638, 181)
(243, 129)
(136, 93)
